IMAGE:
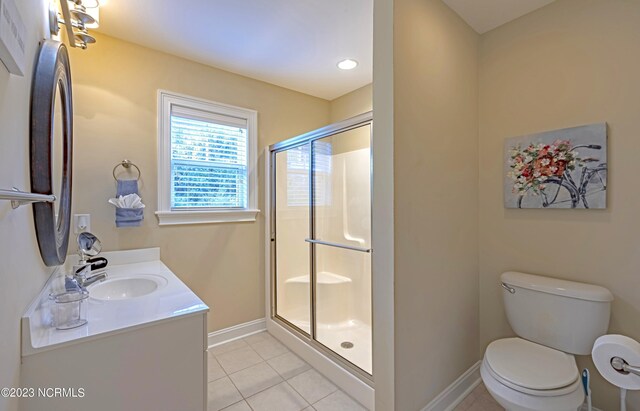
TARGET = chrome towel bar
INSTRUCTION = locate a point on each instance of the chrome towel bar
(346, 247)
(19, 198)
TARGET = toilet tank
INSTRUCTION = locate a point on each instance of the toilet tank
(564, 315)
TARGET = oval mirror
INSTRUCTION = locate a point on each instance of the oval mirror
(52, 149)
(57, 144)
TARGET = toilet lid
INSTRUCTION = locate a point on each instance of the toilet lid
(530, 365)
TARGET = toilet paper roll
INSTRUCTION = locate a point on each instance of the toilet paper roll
(610, 346)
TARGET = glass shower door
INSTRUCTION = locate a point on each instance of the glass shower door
(341, 230)
(292, 254)
(321, 240)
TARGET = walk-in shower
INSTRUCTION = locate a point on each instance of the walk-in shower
(320, 232)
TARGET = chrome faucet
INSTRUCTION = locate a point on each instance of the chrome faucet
(83, 275)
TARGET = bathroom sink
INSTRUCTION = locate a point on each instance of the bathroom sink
(125, 288)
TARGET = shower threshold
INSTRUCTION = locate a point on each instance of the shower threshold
(354, 331)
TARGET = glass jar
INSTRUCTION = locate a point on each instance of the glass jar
(69, 309)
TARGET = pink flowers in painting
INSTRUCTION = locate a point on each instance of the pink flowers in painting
(532, 166)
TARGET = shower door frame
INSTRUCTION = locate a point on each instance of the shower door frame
(307, 138)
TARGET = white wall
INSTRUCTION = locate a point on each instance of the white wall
(22, 273)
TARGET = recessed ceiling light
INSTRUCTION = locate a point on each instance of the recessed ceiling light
(347, 64)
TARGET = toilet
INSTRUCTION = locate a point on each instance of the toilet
(553, 320)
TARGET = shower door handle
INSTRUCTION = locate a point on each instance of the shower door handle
(338, 245)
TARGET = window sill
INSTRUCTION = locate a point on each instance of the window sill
(205, 217)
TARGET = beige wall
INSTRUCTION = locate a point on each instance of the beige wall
(22, 273)
(573, 62)
(356, 102)
(382, 232)
(436, 191)
(115, 92)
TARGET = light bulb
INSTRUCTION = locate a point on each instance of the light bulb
(347, 64)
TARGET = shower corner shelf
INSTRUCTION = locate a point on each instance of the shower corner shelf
(19, 198)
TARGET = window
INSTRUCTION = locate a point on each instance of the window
(206, 161)
(298, 175)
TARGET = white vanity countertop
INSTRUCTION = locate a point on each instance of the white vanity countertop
(172, 300)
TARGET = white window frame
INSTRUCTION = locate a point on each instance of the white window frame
(168, 216)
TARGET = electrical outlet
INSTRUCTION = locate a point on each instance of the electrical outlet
(81, 223)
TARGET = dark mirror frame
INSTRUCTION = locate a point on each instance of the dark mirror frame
(52, 75)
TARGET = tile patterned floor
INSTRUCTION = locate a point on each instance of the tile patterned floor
(258, 373)
(479, 400)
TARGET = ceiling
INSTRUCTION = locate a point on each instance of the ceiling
(293, 44)
(485, 15)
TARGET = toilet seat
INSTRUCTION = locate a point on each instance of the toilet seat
(515, 400)
(532, 368)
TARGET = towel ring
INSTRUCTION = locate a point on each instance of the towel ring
(126, 164)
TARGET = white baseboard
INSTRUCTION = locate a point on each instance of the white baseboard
(453, 395)
(236, 332)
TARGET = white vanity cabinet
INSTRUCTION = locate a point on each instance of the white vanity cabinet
(161, 367)
(146, 353)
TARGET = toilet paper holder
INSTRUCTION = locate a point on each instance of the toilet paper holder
(623, 367)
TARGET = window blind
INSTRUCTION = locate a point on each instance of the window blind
(208, 160)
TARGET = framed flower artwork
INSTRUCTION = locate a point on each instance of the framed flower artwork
(557, 169)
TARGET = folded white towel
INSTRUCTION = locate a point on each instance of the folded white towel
(128, 201)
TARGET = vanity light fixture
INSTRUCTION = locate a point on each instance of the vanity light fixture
(347, 64)
(77, 16)
(93, 8)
